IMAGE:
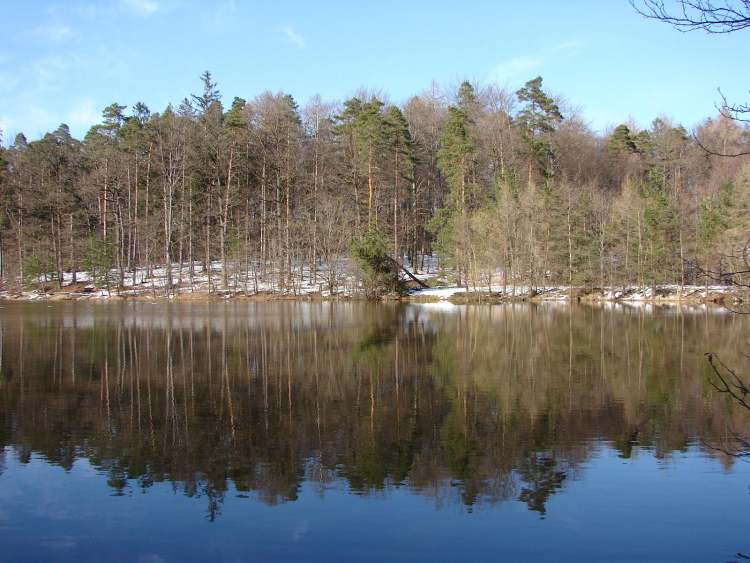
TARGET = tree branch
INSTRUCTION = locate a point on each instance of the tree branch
(728, 382)
(725, 17)
(721, 154)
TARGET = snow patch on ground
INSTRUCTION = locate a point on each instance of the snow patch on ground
(669, 292)
(336, 279)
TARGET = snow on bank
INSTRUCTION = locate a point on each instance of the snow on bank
(631, 294)
(439, 292)
(336, 280)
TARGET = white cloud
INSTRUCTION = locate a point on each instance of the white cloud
(48, 71)
(5, 124)
(523, 66)
(83, 115)
(54, 32)
(573, 45)
(223, 13)
(291, 36)
(33, 120)
(515, 67)
(39, 94)
(141, 7)
(8, 81)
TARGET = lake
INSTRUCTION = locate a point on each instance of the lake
(293, 431)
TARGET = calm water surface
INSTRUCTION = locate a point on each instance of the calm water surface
(354, 432)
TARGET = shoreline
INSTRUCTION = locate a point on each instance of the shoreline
(660, 295)
(632, 295)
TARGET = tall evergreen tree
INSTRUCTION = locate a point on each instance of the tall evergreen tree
(401, 148)
(538, 118)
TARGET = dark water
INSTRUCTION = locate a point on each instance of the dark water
(353, 432)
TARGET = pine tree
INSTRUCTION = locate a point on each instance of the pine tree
(363, 124)
(210, 94)
(451, 224)
(621, 140)
(401, 148)
(711, 225)
(538, 119)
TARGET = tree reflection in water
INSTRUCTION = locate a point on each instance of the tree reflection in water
(476, 405)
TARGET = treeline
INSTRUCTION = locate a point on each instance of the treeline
(506, 188)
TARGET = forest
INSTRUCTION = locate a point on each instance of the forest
(486, 185)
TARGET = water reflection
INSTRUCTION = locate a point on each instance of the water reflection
(470, 406)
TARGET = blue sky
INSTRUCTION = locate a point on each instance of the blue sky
(64, 60)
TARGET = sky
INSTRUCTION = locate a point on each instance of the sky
(63, 61)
